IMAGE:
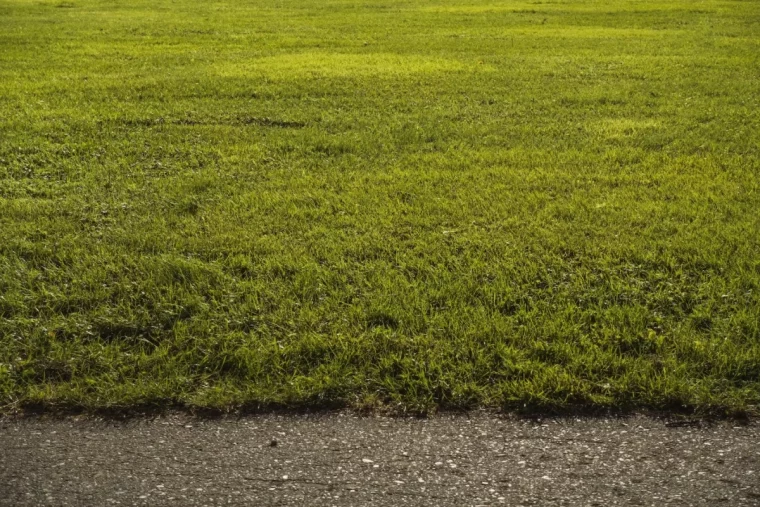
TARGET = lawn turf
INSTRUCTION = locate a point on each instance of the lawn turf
(545, 206)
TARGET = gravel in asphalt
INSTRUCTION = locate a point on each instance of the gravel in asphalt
(343, 459)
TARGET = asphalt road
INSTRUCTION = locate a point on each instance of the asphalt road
(342, 459)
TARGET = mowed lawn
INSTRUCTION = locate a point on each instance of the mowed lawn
(381, 204)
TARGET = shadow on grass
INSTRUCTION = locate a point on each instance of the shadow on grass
(673, 416)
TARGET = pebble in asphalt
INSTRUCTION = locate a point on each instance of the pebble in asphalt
(343, 459)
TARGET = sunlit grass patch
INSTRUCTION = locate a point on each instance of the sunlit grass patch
(618, 128)
(327, 64)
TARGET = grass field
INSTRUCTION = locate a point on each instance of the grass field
(542, 206)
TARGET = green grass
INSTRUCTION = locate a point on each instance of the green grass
(547, 206)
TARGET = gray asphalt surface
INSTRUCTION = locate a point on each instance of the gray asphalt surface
(342, 459)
